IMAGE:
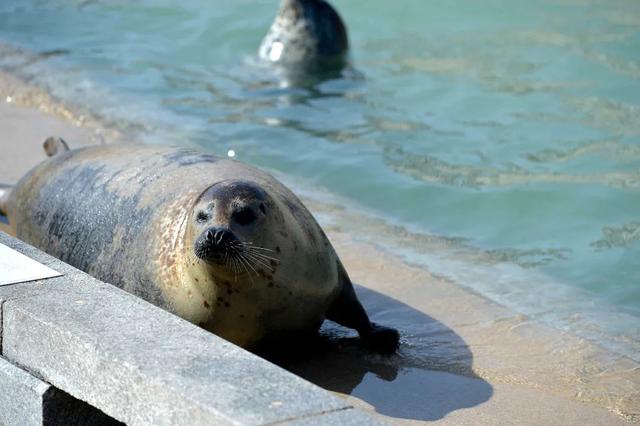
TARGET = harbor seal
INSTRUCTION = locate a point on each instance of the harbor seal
(307, 34)
(217, 242)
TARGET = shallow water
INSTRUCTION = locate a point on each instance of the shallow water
(429, 377)
(503, 136)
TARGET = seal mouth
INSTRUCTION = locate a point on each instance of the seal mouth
(219, 246)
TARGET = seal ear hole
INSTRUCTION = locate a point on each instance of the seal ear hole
(263, 209)
(202, 217)
(244, 216)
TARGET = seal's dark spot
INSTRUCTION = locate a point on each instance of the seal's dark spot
(229, 291)
(270, 285)
(206, 304)
(277, 249)
(227, 305)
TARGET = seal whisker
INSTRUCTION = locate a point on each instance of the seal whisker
(259, 262)
(242, 262)
(263, 256)
(236, 270)
(255, 256)
(256, 250)
(254, 247)
(230, 255)
(234, 267)
(242, 256)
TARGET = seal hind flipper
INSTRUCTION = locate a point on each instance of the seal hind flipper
(54, 145)
(5, 190)
(347, 311)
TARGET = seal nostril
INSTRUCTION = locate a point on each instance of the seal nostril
(216, 238)
(244, 216)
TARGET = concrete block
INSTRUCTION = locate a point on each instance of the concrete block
(21, 396)
(140, 364)
(346, 417)
(28, 401)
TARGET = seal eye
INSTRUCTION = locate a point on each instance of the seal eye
(202, 217)
(244, 216)
(263, 209)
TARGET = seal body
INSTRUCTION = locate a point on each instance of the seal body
(307, 34)
(217, 242)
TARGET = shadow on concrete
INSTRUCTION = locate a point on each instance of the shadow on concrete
(430, 376)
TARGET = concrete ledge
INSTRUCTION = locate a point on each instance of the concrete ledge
(142, 365)
(28, 401)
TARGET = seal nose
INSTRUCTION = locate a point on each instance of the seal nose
(219, 237)
(214, 243)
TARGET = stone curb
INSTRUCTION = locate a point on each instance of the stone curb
(142, 365)
(28, 401)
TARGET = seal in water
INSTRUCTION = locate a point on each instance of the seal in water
(219, 243)
(307, 34)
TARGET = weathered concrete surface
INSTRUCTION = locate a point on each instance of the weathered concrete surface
(26, 400)
(346, 417)
(140, 364)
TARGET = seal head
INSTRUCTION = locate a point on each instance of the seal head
(238, 235)
(307, 34)
(226, 220)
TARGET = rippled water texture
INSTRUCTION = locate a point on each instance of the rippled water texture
(508, 129)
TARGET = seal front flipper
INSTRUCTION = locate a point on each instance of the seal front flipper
(347, 311)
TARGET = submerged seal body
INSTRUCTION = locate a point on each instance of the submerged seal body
(306, 34)
(219, 243)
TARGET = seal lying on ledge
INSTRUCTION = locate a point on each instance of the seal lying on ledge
(219, 243)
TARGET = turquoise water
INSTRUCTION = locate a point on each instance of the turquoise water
(509, 128)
